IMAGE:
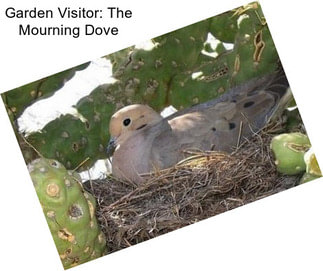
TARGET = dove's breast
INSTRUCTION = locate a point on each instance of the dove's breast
(132, 158)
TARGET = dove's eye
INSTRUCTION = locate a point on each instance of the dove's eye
(126, 122)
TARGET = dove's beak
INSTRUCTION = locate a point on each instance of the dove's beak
(111, 146)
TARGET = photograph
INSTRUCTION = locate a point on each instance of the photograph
(161, 135)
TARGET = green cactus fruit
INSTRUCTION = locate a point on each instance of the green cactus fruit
(289, 150)
(69, 211)
(312, 166)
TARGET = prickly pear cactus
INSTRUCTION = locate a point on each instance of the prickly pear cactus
(70, 140)
(289, 150)
(69, 211)
(18, 99)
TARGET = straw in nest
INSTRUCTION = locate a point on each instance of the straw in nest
(205, 184)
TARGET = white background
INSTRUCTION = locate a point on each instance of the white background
(281, 232)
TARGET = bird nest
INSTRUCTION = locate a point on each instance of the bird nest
(204, 185)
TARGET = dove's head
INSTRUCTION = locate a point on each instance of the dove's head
(130, 120)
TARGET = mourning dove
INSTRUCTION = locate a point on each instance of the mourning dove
(143, 141)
